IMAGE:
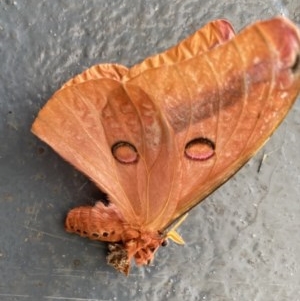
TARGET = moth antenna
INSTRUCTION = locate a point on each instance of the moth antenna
(173, 235)
(261, 162)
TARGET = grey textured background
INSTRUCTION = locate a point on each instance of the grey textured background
(242, 243)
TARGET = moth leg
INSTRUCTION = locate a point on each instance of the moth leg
(118, 258)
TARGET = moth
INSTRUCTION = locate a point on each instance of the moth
(159, 137)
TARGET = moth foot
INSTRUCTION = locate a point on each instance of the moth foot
(118, 258)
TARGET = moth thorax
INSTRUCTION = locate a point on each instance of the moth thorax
(142, 245)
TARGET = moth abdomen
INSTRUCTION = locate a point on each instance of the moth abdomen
(97, 222)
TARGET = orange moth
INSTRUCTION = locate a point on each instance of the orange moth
(161, 136)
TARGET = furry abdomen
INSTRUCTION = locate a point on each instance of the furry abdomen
(97, 222)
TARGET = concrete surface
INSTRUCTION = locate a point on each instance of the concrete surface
(242, 243)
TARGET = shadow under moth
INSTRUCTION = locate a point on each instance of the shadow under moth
(159, 137)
